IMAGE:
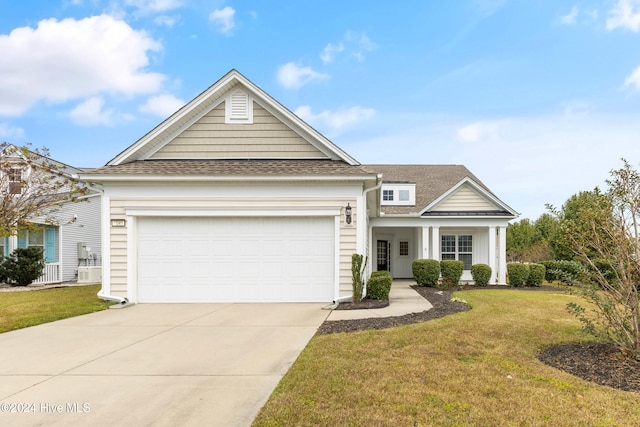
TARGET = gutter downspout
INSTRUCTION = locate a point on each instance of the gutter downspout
(364, 194)
(122, 301)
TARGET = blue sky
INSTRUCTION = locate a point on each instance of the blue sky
(539, 99)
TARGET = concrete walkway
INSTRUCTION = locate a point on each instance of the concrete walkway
(404, 300)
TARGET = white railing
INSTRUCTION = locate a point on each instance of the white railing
(51, 274)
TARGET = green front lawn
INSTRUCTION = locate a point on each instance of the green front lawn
(476, 368)
(29, 308)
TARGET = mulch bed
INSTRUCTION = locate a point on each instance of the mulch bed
(442, 306)
(600, 363)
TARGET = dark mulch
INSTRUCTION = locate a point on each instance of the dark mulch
(365, 304)
(442, 306)
(600, 363)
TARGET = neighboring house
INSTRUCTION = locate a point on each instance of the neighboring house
(74, 241)
(235, 199)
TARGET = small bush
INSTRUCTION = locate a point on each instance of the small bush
(23, 266)
(358, 265)
(445, 284)
(452, 269)
(379, 285)
(518, 273)
(568, 272)
(426, 272)
(536, 274)
(481, 274)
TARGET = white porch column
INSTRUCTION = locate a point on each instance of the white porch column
(435, 243)
(425, 243)
(502, 256)
(492, 255)
(12, 244)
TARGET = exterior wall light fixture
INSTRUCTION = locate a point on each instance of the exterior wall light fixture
(347, 213)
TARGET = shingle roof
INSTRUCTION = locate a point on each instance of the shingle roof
(215, 168)
(432, 181)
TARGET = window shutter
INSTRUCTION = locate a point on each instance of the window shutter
(22, 241)
(50, 245)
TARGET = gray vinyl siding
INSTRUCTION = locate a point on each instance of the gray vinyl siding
(266, 138)
(85, 229)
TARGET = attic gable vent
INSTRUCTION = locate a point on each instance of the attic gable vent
(239, 108)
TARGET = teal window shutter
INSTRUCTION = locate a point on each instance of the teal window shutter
(50, 245)
(22, 239)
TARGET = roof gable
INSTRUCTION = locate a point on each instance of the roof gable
(442, 190)
(212, 137)
(257, 128)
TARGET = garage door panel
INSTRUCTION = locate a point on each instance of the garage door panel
(235, 259)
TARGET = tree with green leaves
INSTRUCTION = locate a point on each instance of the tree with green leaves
(32, 188)
(601, 230)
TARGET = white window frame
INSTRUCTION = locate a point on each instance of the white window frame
(456, 253)
(395, 190)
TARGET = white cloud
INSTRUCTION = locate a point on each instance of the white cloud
(571, 17)
(63, 60)
(633, 79)
(330, 51)
(292, 76)
(625, 14)
(526, 161)
(10, 132)
(361, 44)
(333, 122)
(162, 105)
(91, 113)
(479, 131)
(167, 20)
(153, 6)
(223, 18)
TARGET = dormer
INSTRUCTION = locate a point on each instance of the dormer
(238, 108)
(398, 194)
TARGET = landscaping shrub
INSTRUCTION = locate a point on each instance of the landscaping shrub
(567, 272)
(536, 274)
(379, 285)
(358, 265)
(22, 267)
(452, 269)
(481, 274)
(445, 284)
(426, 272)
(518, 273)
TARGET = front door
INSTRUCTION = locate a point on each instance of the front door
(383, 255)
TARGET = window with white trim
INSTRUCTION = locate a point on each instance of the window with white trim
(15, 181)
(403, 249)
(398, 194)
(457, 247)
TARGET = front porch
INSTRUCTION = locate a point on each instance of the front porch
(393, 247)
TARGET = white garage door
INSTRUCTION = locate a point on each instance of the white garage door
(235, 259)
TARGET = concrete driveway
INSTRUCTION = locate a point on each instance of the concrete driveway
(156, 364)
